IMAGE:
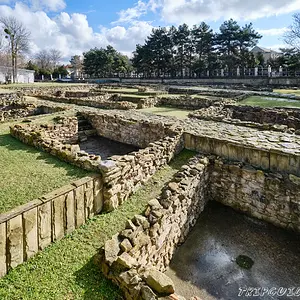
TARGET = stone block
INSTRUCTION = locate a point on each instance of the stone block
(98, 195)
(58, 213)
(44, 225)
(89, 201)
(70, 212)
(160, 282)
(80, 210)
(15, 242)
(3, 268)
(31, 244)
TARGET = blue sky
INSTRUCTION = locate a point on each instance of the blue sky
(74, 26)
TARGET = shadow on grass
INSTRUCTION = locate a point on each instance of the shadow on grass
(12, 144)
(96, 286)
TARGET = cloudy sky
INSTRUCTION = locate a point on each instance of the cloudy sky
(74, 26)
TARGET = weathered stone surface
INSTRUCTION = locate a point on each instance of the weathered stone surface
(80, 210)
(98, 195)
(147, 293)
(3, 268)
(58, 213)
(126, 245)
(112, 249)
(44, 222)
(30, 221)
(15, 241)
(160, 282)
(89, 200)
(70, 212)
(126, 260)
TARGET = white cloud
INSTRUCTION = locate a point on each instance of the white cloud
(195, 11)
(132, 13)
(273, 31)
(72, 34)
(277, 47)
(52, 5)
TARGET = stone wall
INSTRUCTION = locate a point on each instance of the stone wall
(284, 161)
(136, 258)
(27, 229)
(279, 119)
(271, 197)
(59, 140)
(130, 129)
(101, 101)
(188, 102)
(51, 90)
(14, 106)
(122, 175)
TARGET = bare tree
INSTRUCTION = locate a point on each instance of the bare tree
(48, 60)
(18, 37)
(55, 57)
(77, 65)
(292, 36)
(43, 60)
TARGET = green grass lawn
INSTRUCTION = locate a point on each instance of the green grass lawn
(168, 111)
(120, 90)
(269, 102)
(26, 173)
(66, 270)
(287, 91)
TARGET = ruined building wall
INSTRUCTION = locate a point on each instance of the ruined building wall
(271, 197)
(133, 131)
(135, 258)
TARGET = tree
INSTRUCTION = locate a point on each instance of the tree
(234, 43)
(104, 62)
(203, 40)
(18, 37)
(184, 48)
(292, 36)
(77, 65)
(61, 70)
(47, 61)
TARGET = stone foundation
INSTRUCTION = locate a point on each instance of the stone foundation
(14, 106)
(136, 258)
(271, 197)
(103, 101)
(278, 119)
(122, 175)
(30, 228)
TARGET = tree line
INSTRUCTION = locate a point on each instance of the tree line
(167, 51)
(175, 51)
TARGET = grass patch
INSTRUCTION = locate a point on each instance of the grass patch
(27, 173)
(65, 270)
(269, 102)
(287, 91)
(167, 111)
(119, 91)
(128, 96)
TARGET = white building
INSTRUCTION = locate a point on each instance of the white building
(266, 53)
(23, 76)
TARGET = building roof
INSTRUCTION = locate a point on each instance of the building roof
(263, 50)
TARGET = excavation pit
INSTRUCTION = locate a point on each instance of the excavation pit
(105, 148)
(205, 265)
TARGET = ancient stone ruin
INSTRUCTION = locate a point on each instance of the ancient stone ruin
(248, 158)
